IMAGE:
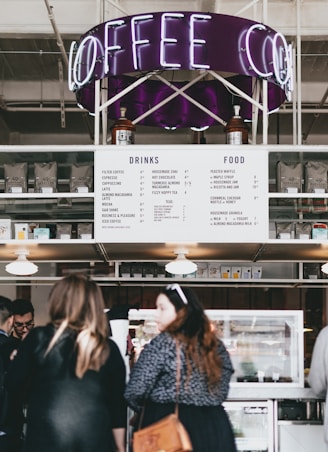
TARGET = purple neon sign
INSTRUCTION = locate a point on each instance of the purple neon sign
(180, 41)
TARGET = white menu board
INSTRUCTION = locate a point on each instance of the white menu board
(196, 193)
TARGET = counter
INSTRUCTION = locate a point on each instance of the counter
(276, 419)
(265, 393)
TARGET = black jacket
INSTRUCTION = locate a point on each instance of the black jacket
(65, 412)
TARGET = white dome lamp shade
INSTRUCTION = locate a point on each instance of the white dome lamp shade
(181, 265)
(324, 268)
(21, 266)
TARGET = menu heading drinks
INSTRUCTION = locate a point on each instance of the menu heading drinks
(180, 194)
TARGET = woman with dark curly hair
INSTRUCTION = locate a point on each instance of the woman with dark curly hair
(205, 367)
(72, 375)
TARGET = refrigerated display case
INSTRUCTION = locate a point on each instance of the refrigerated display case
(252, 423)
(266, 347)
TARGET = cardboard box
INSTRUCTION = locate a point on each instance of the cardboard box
(41, 233)
(31, 227)
(21, 231)
(5, 229)
(53, 229)
(319, 231)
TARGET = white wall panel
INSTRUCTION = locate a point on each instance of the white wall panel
(31, 16)
(77, 16)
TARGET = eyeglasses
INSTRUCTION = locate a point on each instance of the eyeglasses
(179, 290)
(20, 326)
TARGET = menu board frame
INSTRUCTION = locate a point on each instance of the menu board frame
(181, 193)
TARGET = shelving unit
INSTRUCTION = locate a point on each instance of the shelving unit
(68, 207)
(56, 204)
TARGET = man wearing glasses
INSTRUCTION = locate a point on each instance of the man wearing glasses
(23, 311)
(23, 318)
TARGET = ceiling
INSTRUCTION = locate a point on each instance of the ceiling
(36, 108)
(36, 105)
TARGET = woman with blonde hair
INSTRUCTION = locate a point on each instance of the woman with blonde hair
(185, 332)
(72, 375)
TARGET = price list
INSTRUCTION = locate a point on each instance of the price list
(180, 194)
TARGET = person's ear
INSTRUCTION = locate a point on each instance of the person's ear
(10, 323)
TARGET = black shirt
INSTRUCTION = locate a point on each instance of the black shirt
(66, 412)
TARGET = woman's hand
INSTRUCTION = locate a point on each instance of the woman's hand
(121, 449)
(119, 435)
(13, 354)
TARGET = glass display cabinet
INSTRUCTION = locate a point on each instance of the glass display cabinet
(266, 347)
(252, 424)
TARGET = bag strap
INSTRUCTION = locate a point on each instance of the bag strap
(178, 377)
(177, 385)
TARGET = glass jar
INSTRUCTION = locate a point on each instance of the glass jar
(236, 130)
(123, 130)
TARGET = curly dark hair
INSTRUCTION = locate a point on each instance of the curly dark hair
(193, 328)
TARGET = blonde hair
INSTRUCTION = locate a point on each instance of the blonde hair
(76, 302)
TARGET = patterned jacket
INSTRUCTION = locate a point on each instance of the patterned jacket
(154, 377)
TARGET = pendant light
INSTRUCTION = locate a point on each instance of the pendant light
(181, 265)
(21, 266)
(324, 268)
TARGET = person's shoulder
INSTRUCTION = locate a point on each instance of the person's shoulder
(114, 350)
(323, 333)
(221, 344)
(162, 340)
(40, 333)
(3, 338)
(113, 345)
(4, 345)
(7, 348)
(10, 344)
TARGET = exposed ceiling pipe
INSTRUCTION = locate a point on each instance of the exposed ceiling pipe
(310, 110)
(299, 73)
(60, 42)
(43, 109)
(10, 107)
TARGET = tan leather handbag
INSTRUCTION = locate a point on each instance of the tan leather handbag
(167, 434)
